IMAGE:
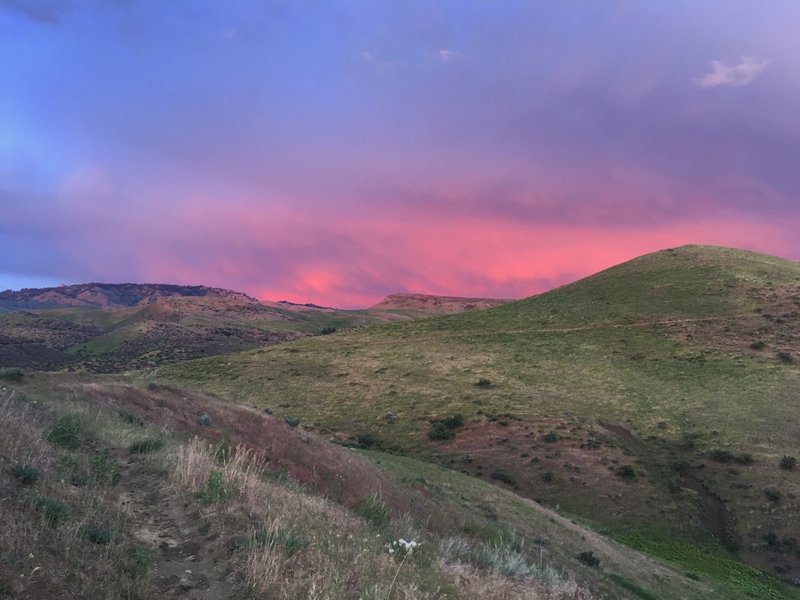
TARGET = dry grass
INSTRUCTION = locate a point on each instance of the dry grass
(45, 550)
(303, 546)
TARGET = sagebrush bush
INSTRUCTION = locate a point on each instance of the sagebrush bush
(11, 373)
(626, 473)
(788, 463)
(445, 428)
(589, 558)
(25, 474)
(97, 534)
(53, 511)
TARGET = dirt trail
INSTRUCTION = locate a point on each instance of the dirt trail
(187, 563)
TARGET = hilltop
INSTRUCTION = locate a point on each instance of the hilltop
(655, 399)
(109, 295)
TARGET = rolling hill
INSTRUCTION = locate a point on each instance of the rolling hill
(109, 328)
(656, 401)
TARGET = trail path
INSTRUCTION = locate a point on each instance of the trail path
(187, 561)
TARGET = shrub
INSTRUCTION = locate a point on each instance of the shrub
(484, 383)
(681, 467)
(501, 475)
(373, 510)
(216, 489)
(145, 445)
(547, 476)
(328, 330)
(757, 345)
(153, 385)
(97, 534)
(788, 463)
(105, 470)
(589, 558)
(25, 474)
(785, 357)
(204, 420)
(53, 510)
(11, 373)
(139, 561)
(626, 473)
(130, 418)
(65, 432)
(551, 437)
(292, 421)
(445, 429)
(368, 440)
(772, 495)
(721, 456)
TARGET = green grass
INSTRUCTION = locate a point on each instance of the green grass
(146, 445)
(65, 432)
(711, 563)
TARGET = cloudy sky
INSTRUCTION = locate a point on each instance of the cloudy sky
(337, 151)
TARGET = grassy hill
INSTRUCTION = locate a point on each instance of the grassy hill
(656, 400)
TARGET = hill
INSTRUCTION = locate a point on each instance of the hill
(425, 304)
(657, 400)
(109, 328)
(128, 491)
(108, 295)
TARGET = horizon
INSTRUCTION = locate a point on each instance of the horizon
(333, 307)
(341, 153)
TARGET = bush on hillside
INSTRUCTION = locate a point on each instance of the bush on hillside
(589, 558)
(11, 373)
(626, 473)
(25, 474)
(445, 429)
(788, 463)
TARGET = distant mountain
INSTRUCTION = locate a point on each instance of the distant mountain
(108, 328)
(108, 295)
(435, 305)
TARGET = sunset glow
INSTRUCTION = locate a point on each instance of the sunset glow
(338, 152)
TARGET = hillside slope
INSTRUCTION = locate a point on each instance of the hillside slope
(120, 491)
(656, 398)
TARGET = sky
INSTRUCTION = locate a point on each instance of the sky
(338, 151)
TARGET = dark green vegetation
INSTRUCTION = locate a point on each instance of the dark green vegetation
(648, 365)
